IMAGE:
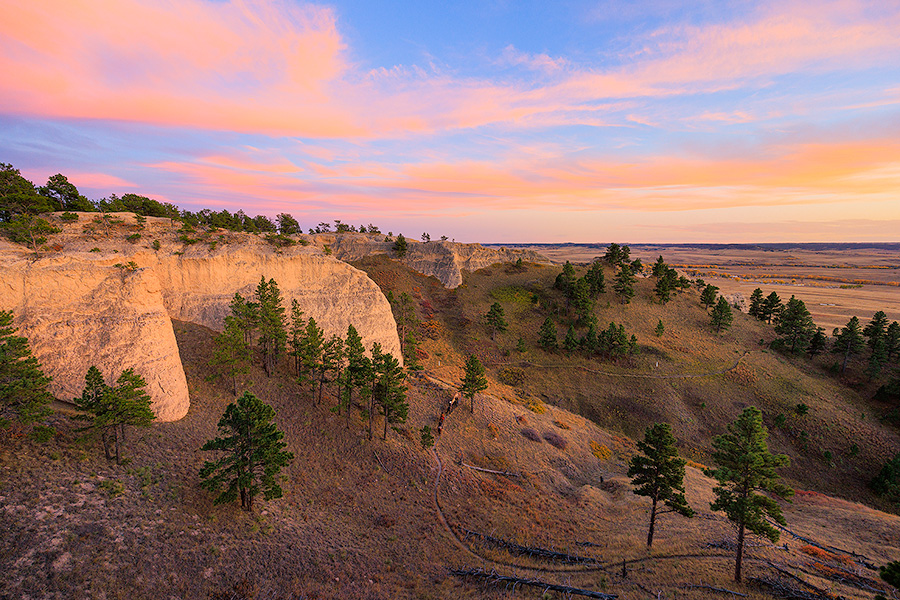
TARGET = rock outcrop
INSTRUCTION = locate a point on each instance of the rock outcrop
(94, 299)
(442, 259)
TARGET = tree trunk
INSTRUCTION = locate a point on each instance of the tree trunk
(846, 358)
(384, 436)
(740, 553)
(652, 524)
(321, 385)
(118, 455)
(371, 410)
(349, 402)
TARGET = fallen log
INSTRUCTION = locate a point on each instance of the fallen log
(691, 586)
(511, 582)
(863, 560)
(474, 468)
(532, 551)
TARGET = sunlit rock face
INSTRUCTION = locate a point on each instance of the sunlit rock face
(112, 307)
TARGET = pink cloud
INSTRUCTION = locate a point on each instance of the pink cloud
(279, 68)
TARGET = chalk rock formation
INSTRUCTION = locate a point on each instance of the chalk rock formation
(77, 313)
(442, 259)
(112, 306)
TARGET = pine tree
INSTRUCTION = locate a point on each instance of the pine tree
(109, 409)
(566, 279)
(23, 386)
(721, 316)
(887, 482)
(495, 320)
(582, 301)
(332, 361)
(400, 246)
(570, 343)
(372, 381)
(596, 279)
(663, 289)
(272, 334)
(247, 316)
(892, 340)
(746, 466)
(547, 335)
(795, 325)
(658, 473)
(848, 340)
(390, 391)
(295, 335)
(771, 308)
(660, 329)
(254, 454)
(520, 345)
(624, 284)
(708, 295)
(473, 380)
(613, 254)
(231, 351)
(818, 344)
(877, 359)
(358, 366)
(311, 351)
(659, 267)
(876, 329)
(756, 303)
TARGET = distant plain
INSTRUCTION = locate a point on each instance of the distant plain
(824, 276)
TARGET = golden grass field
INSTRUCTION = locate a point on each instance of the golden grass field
(814, 276)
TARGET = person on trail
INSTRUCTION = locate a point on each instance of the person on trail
(453, 402)
(441, 424)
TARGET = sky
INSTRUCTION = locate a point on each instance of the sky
(495, 121)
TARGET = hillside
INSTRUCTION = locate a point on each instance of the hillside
(388, 519)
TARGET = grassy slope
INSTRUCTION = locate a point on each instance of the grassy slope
(358, 519)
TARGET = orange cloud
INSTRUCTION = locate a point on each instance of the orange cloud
(274, 67)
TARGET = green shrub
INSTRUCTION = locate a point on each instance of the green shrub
(68, 217)
(42, 433)
(155, 244)
(133, 238)
(802, 409)
(95, 249)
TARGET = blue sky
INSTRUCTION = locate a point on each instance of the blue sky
(654, 121)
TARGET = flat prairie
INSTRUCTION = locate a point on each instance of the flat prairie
(835, 281)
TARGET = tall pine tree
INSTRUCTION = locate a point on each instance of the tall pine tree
(658, 474)
(745, 466)
(23, 385)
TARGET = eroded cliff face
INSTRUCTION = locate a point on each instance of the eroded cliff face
(78, 308)
(442, 259)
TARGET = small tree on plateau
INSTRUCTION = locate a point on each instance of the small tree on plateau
(253, 450)
(495, 320)
(848, 340)
(23, 386)
(708, 295)
(745, 467)
(473, 381)
(658, 473)
(721, 316)
(400, 246)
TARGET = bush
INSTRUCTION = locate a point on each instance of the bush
(42, 434)
(531, 434)
(887, 482)
(511, 376)
(280, 240)
(133, 238)
(155, 244)
(68, 217)
(555, 440)
(802, 409)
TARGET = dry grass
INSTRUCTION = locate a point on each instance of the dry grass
(359, 519)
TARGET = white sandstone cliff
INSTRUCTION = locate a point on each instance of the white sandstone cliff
(78, 308)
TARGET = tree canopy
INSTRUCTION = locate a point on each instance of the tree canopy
(745, 466)
(253, 454)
